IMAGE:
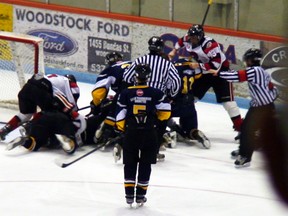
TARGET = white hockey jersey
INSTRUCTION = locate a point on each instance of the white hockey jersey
(64, 90)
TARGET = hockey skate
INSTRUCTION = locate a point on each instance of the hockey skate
(160, 157)
(234, 154)
(170, 139)
(67, 144)
(19, 141)
(140, 200)
(242, 162)
(117, 152)
(200, 137)
(129, 200)
(3, 132)
(25, 128)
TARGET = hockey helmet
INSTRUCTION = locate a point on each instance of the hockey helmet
(196, 32)
(71, 78)
(156, 44)
(254, 55)
(113, 57)
(142, 71)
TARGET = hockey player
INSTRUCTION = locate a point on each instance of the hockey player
(261, 111)
(47, 125)
(206, 51)
(110, 77)
(49, 92)
(138, 109)
(164, 76)
(183, 105)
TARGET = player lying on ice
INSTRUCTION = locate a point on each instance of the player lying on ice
(44, 126)
(51, 93)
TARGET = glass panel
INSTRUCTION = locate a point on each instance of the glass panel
(263, 16)
(220, 14)
(130, 7)
(96, 4)
(155, 8)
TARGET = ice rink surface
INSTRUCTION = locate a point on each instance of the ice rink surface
(191, 181)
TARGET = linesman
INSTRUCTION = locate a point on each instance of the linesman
(261, 111)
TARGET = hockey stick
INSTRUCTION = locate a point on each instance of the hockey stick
(206, 13)
(64, 165)
(82, 108)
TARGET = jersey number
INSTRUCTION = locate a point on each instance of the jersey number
(187, 84)
(138, 108)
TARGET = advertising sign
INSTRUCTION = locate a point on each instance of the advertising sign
(71, 40)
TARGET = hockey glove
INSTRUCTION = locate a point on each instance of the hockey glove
(95, 110)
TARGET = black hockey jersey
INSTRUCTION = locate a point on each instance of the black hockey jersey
(110, 77)
(140, 106)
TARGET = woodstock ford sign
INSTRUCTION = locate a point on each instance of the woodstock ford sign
(56, 43)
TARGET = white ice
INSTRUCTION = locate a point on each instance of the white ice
(191, 181)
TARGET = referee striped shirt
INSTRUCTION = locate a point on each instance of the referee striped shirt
(164, 75)
(261, 89)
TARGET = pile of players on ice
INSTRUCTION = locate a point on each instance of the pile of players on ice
(133, 109)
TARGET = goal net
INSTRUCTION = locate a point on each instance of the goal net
(21, 56)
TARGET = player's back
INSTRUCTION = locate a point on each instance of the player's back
(61, 85)
(187, 75)
(141, 101)
(112, 76)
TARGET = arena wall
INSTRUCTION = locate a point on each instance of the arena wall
(78, 39)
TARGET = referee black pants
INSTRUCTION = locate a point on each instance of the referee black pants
(253, 128)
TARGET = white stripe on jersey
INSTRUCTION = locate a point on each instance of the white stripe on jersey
(258, 83)
(61, 85)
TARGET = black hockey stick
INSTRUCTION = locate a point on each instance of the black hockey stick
(82, 108)
(64, 165)
(206, 13)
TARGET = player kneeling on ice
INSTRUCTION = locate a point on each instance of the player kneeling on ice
(42, 91)
(261, 111)
(183, 105)
(138, 110)
(43, 128)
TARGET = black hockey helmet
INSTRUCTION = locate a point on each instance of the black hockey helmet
(156, 44)
(196, 31)
(71, 78)
(113, 57)
(142, 71)
(254, 55)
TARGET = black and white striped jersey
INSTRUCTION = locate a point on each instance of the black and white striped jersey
(164, 75)
(261, 89)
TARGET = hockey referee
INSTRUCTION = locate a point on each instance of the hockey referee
(262, 108)
(164, 75)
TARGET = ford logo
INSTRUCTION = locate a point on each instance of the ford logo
(56, 43)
